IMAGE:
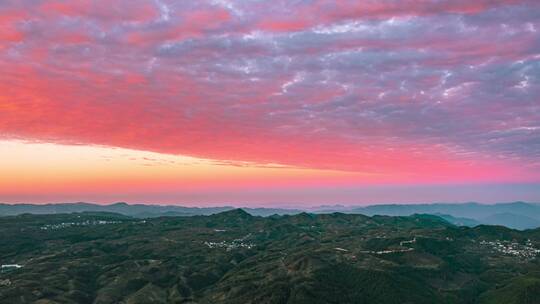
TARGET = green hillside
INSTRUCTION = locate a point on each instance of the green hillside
(234, 257)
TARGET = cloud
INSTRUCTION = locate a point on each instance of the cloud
(414, 90)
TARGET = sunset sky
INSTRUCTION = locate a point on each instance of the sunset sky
(269, 103)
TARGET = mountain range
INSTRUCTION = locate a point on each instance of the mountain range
(233, 257)
(516, 215)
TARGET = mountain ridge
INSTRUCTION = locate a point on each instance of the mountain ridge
(517, 215)
(234, 257)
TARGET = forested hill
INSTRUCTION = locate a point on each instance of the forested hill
(234, 257)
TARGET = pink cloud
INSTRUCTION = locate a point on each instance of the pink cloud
(104, 11)
(309, 14)
(9, 33)
(411, 91)
(191, 24)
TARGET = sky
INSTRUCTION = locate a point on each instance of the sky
(269, 103)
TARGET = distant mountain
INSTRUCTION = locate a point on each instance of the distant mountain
(134, 210)
(459, 221)
(516, 221)
(468, 210)
(516, 215)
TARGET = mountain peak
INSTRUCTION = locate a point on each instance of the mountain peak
(119, 204)
(236, 213)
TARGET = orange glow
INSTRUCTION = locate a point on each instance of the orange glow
(102, 99)
(51, 168)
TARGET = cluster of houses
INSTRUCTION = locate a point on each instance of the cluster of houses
(234, 244)
(76, 224)
(527, 250)
(387, 251)
(397, 250)
(229, 245)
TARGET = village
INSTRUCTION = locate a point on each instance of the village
(234, 244)
(229, 245)
(77, 224)
(526, 251)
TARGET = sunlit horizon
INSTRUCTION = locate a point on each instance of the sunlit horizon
(269, 103)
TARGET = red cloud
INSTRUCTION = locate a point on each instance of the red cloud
(398, 107)
(106, 11)
(95, 108)
(313, 13)
(283, 25)
(189, 24)
(9, 32)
